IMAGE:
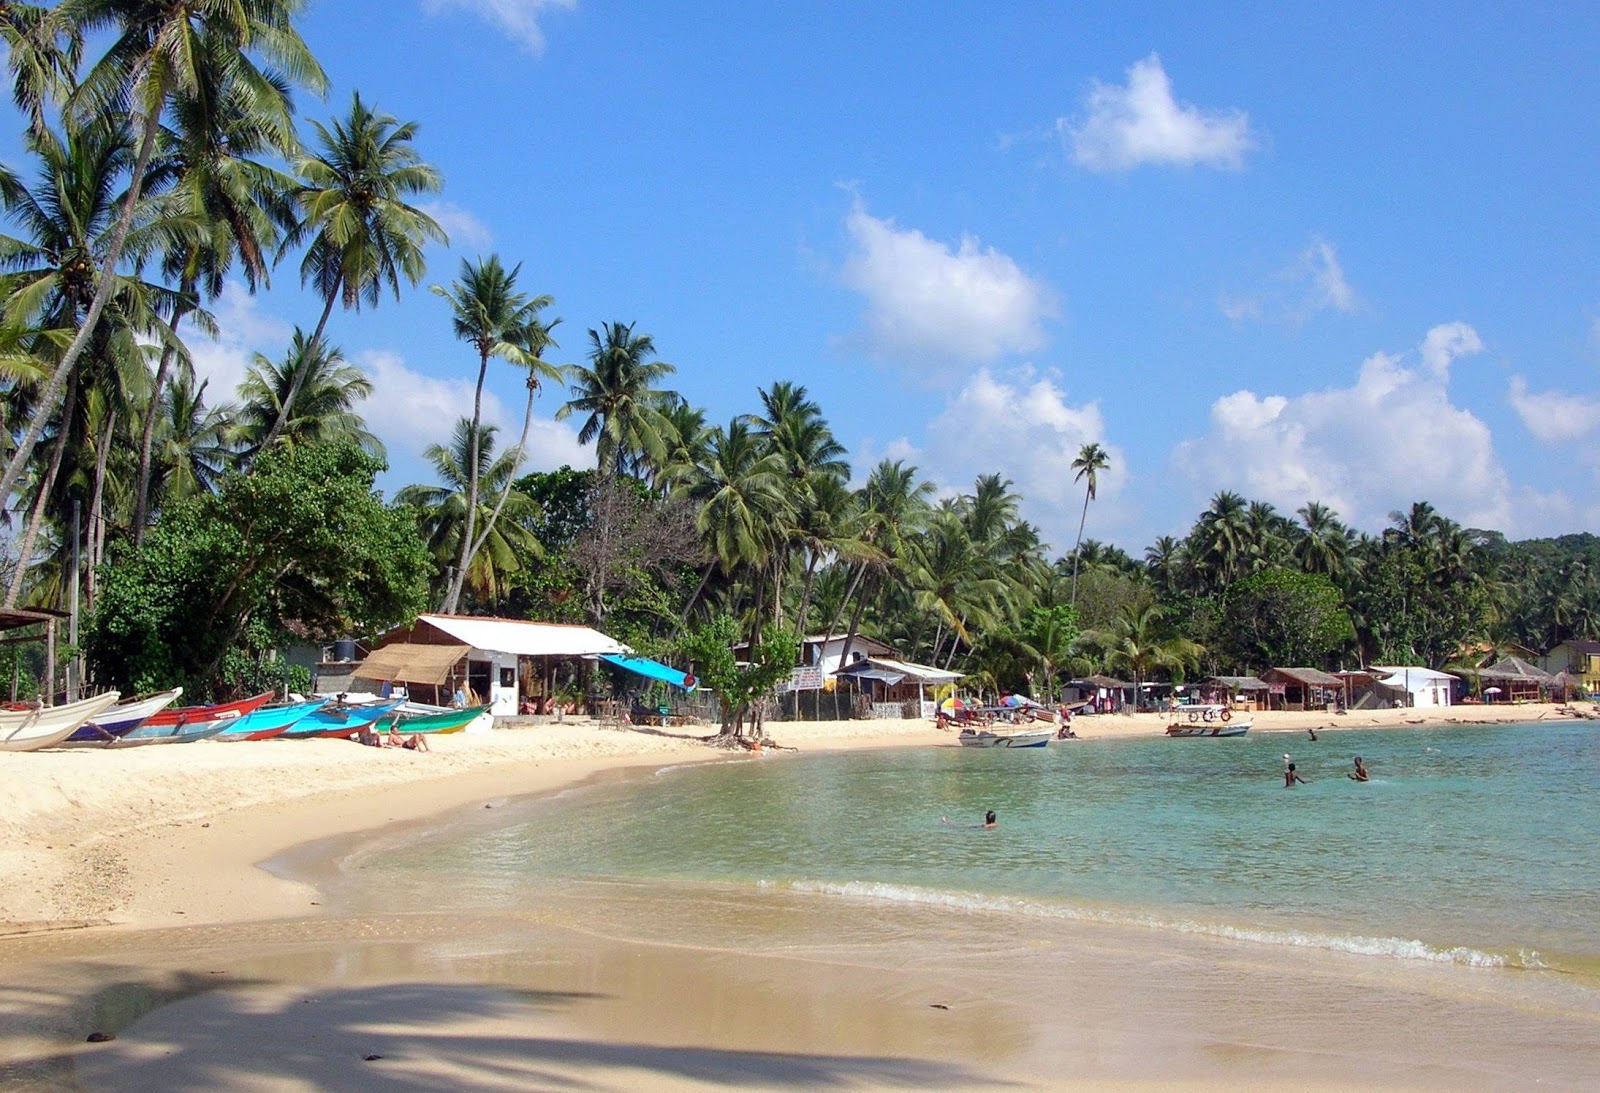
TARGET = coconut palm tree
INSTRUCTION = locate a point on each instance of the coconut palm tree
(626, 420)
(1091, 460)
(361, 233)
(488, 312)
(154, 54)
(1140, 642)
(312, 392)
(442, 510)
(193, 446)
(1326, 545)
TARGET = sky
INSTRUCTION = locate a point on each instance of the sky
(1345, 254)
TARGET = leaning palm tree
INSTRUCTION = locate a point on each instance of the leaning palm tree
(488, 312)
(626, 420)
(353, 196)
(442, 510)
(312, 392)
(153, 55)
(1092, 459)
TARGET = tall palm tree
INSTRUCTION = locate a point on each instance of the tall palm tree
(617, 390)
(488, 312)
(313, 392)
(193, 448)
(353, 195)
(442, 510)
(1326, 545)
(686, 439)
(155, 53)
(1091, 460)
(1218, 540)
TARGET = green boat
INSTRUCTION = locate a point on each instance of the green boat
(449, 721)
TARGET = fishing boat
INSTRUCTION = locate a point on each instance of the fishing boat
(1006, 738)
(121, 719)
(270, 721)
(1195, 721)
(188, 723)
(338, 719)
(33, 729)
(440, 723)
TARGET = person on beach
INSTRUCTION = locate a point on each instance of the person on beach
(415, 742)
(1290, 775)
(989, 821)
(1360, 774)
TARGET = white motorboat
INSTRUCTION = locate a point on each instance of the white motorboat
(1198, 720)
(1006, 738)
(33, 729)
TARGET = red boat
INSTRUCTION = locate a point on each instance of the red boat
(191, 719)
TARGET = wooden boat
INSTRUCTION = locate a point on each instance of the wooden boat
(194, 722)
(336, 720)
(1231, 728)
(1203, 720)
(441, 723)
(121, 719)
(1006, 738)
(30, 730)
(270, 721)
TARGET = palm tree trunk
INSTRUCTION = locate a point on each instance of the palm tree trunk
(299, 378)
(25, 554)
(805, 596)
(855, 623)
(141, 495)
(453, 600)
(505, 494)
(96, 505)
(102, 294)
(1077, 547)
(855, 582)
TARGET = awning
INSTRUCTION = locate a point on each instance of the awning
(405, 662)
(651, 670)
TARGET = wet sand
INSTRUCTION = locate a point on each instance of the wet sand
(647, 986)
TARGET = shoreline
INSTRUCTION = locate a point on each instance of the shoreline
(195, 903)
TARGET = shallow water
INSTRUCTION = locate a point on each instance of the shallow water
(1472, 845)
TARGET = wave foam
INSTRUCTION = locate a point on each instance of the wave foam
(1396, 948)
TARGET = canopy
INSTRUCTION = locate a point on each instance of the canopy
(405, 662)
(651, 670)
(525, 639)
(892, 671)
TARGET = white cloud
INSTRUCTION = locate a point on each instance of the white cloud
(518, 18)
(929, 302)
(1313, 282)
(243, 330)
(1391, 438)
(1555, 416)
(463, 228)
(1127, 127)
(1022, 426)
(410, 410)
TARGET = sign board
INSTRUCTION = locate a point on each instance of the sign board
(807, 677)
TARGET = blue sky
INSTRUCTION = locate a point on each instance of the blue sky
(1346, 256)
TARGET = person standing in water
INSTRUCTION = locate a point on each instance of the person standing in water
(1360, 774)
(1290, 775)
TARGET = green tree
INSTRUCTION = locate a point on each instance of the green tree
(625, 411)
(1091, 460)
(308, 397)
(741, 688)
(1286, 618)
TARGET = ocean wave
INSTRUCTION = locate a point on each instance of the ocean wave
(1396, 948)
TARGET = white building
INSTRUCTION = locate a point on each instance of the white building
(1425, 686)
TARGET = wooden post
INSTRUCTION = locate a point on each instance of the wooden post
(48, 697)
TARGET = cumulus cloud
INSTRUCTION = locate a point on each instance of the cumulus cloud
(1023, 426)
(518, 18)
(463, 228)
(1126, 127)
(1555, 416)
(410, 410)
(1315, 281)
(928, 301)
(1391, 438)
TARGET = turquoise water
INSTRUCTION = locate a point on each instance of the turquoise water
(1472, 845)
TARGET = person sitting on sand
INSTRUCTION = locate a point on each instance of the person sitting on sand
(1360, 774)
(415, 742)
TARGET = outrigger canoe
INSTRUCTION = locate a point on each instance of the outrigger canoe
(31, 730)
(338, 720)
(121, 719)
(270, 721)
(441, 723)
(193, 722)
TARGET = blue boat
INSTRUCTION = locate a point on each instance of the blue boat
(341, 720)
(270, 721)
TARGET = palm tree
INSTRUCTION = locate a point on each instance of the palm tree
(1092, 459)
(1326, 545)
(362, 234)
(950, 579)
(685, 441)
(488, 312)
(626, 421)
(193, 447)
(1218, 540)
(312, 392)
(442, 510)
(1140, 642)
(155, 53)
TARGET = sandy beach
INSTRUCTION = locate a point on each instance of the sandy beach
(139, 870)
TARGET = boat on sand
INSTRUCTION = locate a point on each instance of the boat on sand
(270, 721)
(121, 719)
(440, 723)
(33, 729)
(193, 722)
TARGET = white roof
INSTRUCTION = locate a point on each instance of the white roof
(923, 673)
(525, 639)
(1399, 676)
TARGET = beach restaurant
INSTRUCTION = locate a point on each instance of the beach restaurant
(501, 662)
(889, 685)
(1301, 688)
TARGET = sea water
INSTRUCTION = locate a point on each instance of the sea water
(1470, 845)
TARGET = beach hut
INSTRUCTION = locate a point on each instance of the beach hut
(498, 661)
(888, 685)
(1301, 688)
(1101, 694)
(1421, 687)
(1512, 679)
(1239, 692)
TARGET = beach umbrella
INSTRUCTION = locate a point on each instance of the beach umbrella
(1492, 690)
(952, 704)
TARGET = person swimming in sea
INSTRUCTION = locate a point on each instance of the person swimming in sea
(1360, 774)
(989, 821)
